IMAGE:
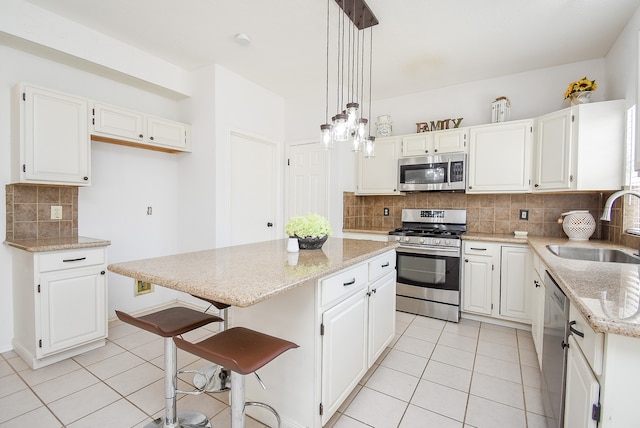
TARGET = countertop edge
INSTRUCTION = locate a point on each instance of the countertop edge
(40, 246)
(598, 324)
(249, 301)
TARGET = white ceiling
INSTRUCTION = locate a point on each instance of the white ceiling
(418, 45)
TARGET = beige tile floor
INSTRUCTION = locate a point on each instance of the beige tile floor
(435, 374)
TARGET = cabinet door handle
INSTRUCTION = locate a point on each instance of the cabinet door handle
(466, 260)
(353, 281)
(151, 138)
(385, 265)
(102, 272)
(535, 281)
(74, 260)
(574, 331)
(478, 249)
(536, 185)
(85, 178)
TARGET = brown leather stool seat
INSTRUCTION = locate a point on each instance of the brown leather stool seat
(238, 349)
(168, 323)
(242, 351)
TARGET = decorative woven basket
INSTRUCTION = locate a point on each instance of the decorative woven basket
(578, 225)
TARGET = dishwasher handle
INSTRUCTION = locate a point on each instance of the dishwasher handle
(573, 330)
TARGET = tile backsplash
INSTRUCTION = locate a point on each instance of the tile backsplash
(28, 209)
(495, 213)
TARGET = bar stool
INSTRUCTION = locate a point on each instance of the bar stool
(242, 351)
(213, 377)
(168, 323)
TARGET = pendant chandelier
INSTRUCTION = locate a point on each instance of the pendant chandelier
(349, 124)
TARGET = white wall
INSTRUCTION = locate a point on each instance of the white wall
(124, 181)
(622, 64)
(531, 94)
(244, 107)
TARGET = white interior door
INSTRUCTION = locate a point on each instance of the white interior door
(253, 190)
(307, 181)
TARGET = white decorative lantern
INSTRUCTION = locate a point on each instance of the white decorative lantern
(578, 225)
(500, 110)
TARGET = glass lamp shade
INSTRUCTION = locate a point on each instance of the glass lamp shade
(326, 137)
(352, 113)
(361, 129)
(340, 128)
(356, 142)
(370, 147)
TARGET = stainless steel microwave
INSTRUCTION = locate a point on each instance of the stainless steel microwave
(443, 172)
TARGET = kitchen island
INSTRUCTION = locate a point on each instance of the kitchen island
(337, 304)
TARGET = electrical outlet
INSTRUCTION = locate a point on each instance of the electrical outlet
(142, 287)
(385, 212)
(524, 215)
(56, 212)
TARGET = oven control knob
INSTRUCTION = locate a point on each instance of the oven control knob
(437, 242)
(423, 240)
(397, 238)
(407, 239)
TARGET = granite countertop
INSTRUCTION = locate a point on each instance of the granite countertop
(244, 275)
(57, 244)
(607, 294)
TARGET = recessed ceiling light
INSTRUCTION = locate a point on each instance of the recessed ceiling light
(243, 39)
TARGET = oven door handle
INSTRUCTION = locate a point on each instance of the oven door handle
(447, 252)
(449, 172)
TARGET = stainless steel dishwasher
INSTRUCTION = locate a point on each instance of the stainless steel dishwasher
(554, 351)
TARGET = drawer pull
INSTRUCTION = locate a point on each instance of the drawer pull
(74, 260)
(574, 331)
(385, 265)
(353, 281)
(479, 249)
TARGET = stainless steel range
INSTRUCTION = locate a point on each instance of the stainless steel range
(428, 262)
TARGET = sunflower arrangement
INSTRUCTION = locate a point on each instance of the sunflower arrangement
(581, 85)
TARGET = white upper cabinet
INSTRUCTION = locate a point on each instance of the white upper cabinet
(500, 157)
(435, 142)
(116, 122)
(379, 175)
(580, 148)
(50, 138)
(170, 134)
(113, 124)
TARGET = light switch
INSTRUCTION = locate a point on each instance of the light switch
(524, 215)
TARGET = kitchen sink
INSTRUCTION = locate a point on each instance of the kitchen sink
(593, 254)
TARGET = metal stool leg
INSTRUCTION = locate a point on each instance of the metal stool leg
(172, 418)
(237, 400)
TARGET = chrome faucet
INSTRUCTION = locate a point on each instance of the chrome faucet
(606, 215)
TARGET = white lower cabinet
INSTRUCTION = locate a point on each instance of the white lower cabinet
(382, 299)
(60, 304)
(514, 293)
(480, 260)
(582, 397)
(344, 349)
(494, 280)
(342, 324)
(537, 305)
